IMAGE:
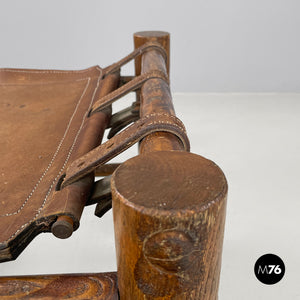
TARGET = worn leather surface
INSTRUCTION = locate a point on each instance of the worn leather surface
(44, 127)
(122, 141)
(46, 124)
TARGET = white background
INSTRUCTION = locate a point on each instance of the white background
(216, 46)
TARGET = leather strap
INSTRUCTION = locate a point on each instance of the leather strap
(122, 141)
(132, 85)
(134, 54)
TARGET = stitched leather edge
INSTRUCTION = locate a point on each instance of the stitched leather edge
(122, 141)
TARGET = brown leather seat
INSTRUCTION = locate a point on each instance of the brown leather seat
(44, 127)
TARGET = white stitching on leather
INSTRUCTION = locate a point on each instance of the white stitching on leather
(54, 156)
(181, 127)
(41, 83)
(65, 163)
(46, 71)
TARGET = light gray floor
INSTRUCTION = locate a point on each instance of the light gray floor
(254, 138)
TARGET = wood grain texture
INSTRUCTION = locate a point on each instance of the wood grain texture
(155, 95)
(102, 286)
(143, 37)
(169, 208)
(169, 214)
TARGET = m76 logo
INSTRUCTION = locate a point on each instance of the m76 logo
(269, 269)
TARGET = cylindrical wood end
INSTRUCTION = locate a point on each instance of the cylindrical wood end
(63, 227)
(169, 215)
(143, 37)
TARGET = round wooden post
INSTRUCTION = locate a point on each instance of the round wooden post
(168, 206)
(169, 214)
(143, 37)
